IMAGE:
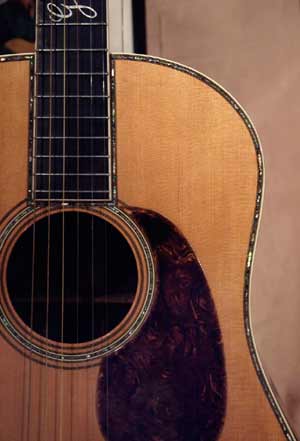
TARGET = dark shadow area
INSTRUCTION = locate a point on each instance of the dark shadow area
(139, 26)
(16, 21)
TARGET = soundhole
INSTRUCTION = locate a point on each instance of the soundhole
(72, 277)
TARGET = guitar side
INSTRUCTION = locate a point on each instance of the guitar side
(184, 151)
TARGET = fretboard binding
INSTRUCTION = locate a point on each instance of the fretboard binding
(70, 73)
(71, 137)
(73, 50)
(99, 23)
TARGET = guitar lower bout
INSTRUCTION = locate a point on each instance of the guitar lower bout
(162, 365)
(189, 157)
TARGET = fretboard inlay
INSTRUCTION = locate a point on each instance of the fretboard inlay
(72, 158)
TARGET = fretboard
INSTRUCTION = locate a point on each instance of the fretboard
(72, 150)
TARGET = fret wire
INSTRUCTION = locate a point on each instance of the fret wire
(92, 144)
(100, 198)
(74, 200)
(71, 174)
(73, 117)
(71, 191)
(72, 24)
(71, 96)
(42, 54)
(111, 169)
(70, 73)
(73, 156)
(73, 50)
(71, 137)
(60, 117)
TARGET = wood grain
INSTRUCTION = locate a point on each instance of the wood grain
(14, 106)
(185, 153)
(190, 158)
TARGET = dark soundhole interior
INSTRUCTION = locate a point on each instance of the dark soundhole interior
(76, 292)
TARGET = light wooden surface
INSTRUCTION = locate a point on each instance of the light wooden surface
(14, 106)
(170, 124)
(252, 48)
(197, 136)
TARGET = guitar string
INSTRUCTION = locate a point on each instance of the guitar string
(63, 230)
(90, 152)
(106, 234)
(105, 84)
(94, 86)
(77, 264)
(90, 42)
(25, 397)
(31, 327)
(44, 387)
(29, 391)
(58, 61)
(49, 206)
(32, 296)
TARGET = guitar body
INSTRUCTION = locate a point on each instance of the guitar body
(190, 177)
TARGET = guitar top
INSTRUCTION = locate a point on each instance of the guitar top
(131, 192)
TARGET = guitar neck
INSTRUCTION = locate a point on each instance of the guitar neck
(72, 155)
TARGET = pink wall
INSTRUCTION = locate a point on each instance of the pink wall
(253, 50)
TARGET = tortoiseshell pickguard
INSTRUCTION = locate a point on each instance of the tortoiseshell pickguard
(169, 383)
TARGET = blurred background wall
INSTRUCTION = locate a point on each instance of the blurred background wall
(253, 50)
(121, 26)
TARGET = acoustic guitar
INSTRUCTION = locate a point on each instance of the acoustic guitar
(131, 191)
